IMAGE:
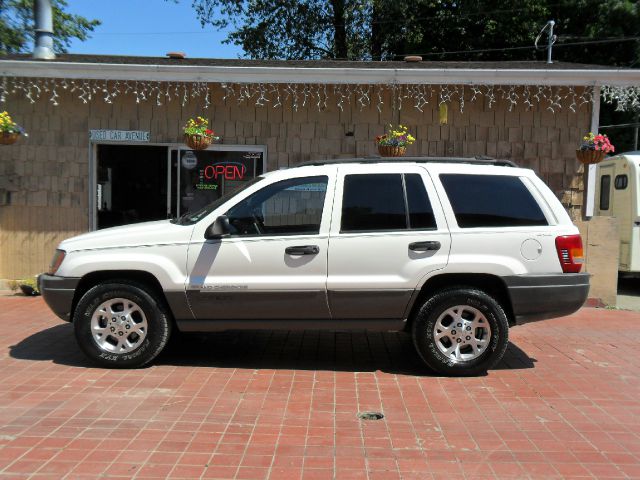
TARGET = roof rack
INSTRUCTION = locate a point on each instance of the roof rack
(478, 160)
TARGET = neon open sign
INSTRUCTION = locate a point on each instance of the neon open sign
(230, 171)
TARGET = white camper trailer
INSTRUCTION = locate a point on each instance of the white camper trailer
(616, 195)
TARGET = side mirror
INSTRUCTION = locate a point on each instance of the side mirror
(219, 229)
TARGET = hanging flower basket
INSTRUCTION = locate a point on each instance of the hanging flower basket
(197, 142)
(589, 157)
(394, 142)
(594, 148)
(10, 131)
(391, 151)
(9, 138)
(197, 134)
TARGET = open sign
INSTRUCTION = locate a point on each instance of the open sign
(230, 171)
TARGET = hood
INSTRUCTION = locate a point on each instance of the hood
(135, 235)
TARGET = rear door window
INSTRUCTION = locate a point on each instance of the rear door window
(373, 202)
(420, 211)
(491, 201)
(385, 201)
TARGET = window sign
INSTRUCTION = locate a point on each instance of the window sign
(208, 174)
(189, 160)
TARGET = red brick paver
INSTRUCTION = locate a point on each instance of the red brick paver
(564, 403)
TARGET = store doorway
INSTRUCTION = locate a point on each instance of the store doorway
(140, 183)
(131, 184)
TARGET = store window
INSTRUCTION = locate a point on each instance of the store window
(207, 175)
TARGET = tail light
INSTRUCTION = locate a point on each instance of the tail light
(570, 253)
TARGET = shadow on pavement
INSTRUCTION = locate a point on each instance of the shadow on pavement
(308, 350)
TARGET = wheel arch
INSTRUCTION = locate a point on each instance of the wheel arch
(490, 284)
(141, 277)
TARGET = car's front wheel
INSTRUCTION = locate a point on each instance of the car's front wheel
(461, 331)
(121, 325)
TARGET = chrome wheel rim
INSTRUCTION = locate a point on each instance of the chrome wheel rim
(462, 333)
(119, 326)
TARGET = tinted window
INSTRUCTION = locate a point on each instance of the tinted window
(491, 201)
(288, 207)
(605, 190)
(420, 211)
(621, 182)
(373, 202)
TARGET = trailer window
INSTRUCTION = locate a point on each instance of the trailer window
(621, 182)
(605, 190)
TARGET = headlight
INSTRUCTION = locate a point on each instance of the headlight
(58, 257)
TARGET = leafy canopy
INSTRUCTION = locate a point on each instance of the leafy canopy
(17, 26)
(386, 29)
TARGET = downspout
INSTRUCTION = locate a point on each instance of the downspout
(43, 16)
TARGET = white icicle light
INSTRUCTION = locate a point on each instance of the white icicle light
(297, 96)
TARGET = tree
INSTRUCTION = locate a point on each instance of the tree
(491, 30)
(387, 29)
(17, 27)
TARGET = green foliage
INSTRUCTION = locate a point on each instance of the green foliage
(16, 26)
(13, 285)
(451, 30)
(386, 29)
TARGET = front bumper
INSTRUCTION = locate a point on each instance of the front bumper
(538, 297)
(58, 293)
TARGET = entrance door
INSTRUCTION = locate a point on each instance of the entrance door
(132, 184)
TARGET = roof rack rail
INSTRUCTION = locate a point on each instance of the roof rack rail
(477, 160)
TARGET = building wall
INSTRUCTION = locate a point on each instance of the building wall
(44, 178)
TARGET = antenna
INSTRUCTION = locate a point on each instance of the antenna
(551, 39)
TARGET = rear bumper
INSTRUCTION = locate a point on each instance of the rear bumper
(538, 297)
(58, 293)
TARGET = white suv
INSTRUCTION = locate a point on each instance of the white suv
(453, 251)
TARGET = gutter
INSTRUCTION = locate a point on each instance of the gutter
(236, 74)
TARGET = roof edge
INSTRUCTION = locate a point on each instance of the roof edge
(318, 75)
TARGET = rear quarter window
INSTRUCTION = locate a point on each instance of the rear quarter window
(491, 201)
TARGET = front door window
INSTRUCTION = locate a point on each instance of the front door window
(289, 207)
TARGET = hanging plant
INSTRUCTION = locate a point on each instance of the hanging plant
(594, 148)
(10, 131)
(394, 143)
(198, 135)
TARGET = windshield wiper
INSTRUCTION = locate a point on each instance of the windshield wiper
(179, 219)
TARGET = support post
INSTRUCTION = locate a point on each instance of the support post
(589, 182)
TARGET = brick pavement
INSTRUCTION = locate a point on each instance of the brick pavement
(564, 403)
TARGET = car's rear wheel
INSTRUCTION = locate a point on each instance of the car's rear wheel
(121, 325)
(461, 331)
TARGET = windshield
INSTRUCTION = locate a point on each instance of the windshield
(189, 218)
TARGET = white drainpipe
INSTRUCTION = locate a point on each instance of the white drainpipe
(43, 16)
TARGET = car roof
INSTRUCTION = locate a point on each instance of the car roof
(478, 160)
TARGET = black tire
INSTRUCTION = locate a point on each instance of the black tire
(155, 312)
(424, 324)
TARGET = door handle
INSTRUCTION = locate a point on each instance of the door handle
(424, 246)
(302, 250)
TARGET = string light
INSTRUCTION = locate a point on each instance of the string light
(310, 95)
